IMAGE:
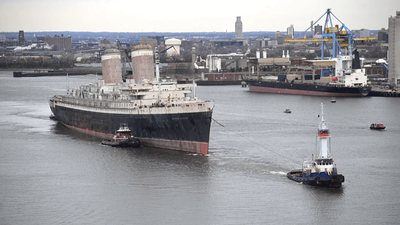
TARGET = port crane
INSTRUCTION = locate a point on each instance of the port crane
(339, 37)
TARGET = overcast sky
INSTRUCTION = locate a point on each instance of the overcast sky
(187, 15)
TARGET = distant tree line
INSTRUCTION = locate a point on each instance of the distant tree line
(66, 61)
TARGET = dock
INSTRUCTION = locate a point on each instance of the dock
(384, 92)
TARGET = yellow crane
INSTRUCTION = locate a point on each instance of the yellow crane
(295, 40)
(342, 41)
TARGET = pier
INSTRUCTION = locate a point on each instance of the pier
(380, 92)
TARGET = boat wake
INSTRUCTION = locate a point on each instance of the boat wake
(278, 172)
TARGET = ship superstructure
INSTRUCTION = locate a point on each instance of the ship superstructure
(159, 113)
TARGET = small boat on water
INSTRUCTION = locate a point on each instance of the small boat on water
(122, 138)
(377, 126)
(321, 171)
(287, 111)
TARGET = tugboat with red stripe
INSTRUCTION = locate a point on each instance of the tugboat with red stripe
(322, 170)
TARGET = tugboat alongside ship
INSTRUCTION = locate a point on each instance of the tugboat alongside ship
(122, 138)
(159, 113)
(322, 170)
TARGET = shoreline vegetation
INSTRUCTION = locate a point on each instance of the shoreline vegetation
(36, 62)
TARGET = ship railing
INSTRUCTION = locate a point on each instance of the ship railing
(337, 84)
(125, 104)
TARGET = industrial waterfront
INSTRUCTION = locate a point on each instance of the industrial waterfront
(362, 59)
(235, 173)
(53, 175)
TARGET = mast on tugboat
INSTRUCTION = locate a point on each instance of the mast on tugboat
(323, 139)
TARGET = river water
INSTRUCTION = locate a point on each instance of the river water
(52, 175)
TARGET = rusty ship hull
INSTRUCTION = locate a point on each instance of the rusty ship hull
(173, 128)
(162, 114)
(306, 89)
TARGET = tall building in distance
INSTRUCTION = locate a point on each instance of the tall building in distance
(363, 33)
(60, 43)
(317, 29)
(394, 50)
(277, 34)
(238, 28)
(312, 29)
(21, 38)
(290, 31)
(383, 35)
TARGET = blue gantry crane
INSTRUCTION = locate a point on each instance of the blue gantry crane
(338, 37)
(341, 37)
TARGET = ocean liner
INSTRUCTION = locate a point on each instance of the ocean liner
(162, 114)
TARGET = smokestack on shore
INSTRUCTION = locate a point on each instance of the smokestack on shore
(111, 66)
(142, 63)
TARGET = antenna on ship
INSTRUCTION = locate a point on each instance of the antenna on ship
(67, 84)
(157, 61)
(194, 90)
(322, 112)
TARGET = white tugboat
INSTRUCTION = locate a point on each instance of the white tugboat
(322, 170)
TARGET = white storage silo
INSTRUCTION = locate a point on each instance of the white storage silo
(175, 45)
